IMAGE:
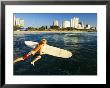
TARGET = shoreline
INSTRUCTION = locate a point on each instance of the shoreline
(34, 32)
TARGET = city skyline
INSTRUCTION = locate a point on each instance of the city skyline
(46, 19)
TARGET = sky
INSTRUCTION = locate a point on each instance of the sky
(46, 19)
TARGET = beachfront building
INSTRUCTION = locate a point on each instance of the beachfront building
(65, 24)
(55, 23)
(22, 23)
(80, 25)
(18, 22)
(88, 26)
(75, 22)
(94, 28)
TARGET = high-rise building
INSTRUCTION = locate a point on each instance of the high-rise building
(80, 25)
(18, 22)
(65, 24)
(88, 26)
(55, 23)
(22, 23)
(75, 22)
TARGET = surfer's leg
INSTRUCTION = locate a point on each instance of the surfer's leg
(22, 58)
(18, 59)
(36, 59)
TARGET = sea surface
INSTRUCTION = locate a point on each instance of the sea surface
(82, 45)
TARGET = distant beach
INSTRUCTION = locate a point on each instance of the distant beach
(34, 32)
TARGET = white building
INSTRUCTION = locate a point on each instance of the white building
(88, 26)
(93, 28)
(18, 22)
(80, 25)
(65, 24)
(55, 23)
(22, 23)
(75, 22)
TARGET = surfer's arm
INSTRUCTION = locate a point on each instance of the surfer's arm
(31, 53)
(35, 50)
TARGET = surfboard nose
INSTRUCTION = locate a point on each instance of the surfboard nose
(66, 54)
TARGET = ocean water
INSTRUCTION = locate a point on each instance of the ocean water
(82, 45)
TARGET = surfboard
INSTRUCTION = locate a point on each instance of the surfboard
(51, 50)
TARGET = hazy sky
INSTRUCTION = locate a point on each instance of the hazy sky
(46, 19)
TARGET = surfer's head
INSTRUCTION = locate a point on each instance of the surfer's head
(43, 41)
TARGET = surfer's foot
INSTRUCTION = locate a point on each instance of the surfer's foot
(35, 60)
(32, 63)
(18, 59)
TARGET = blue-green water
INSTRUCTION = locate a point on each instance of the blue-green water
(82, 45)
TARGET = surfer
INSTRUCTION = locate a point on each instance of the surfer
(36, 52)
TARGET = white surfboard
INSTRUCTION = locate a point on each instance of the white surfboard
(51, 50)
